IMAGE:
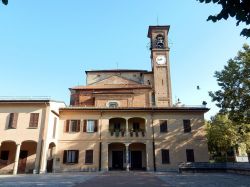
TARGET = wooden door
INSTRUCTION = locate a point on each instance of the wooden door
(117, 160)
(136, 160)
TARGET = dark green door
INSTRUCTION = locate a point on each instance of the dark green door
(117, 160)
(136, 160)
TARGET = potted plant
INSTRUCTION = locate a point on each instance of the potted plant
(117, 132)
(136, 133)
(122, 132)
(131, 132)
(111, 132)
(143, 132)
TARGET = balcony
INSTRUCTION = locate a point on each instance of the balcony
(133, 127)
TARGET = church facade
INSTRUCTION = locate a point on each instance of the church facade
(125, 119)
(122, 119)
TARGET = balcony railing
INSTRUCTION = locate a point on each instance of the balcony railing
(117, 132)
(132, 133)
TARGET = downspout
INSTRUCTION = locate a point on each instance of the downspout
(152, 127)
(100, 144)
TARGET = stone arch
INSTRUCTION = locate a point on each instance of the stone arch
(117, 126)
(51, 157)
(116, 156)
(137, 126)
(27, 156)
(137, 156)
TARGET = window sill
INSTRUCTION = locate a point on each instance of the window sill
(32, 128)
(88, 163)
(71, 132)
(70, 163)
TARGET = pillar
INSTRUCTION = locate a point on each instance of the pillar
(149, 156)
(127, 133)
(38, 155)
(18, 146)
(127, 156)
(44, 159)
(105, 157)
(54, 156)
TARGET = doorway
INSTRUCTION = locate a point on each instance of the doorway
(22, 161)
(117, 160)
(136, 160)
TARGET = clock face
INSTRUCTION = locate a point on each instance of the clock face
(161, 59)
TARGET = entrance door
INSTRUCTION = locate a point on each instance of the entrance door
(117, 160)
(50, 166)
(136, 160)
(22, 161)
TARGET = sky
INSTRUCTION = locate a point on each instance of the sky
(46, 46)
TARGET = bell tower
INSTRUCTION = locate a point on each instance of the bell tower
(160, 65)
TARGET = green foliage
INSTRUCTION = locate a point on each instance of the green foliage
(234, 96)
(240, 9)
(5, 2)
(221, 134)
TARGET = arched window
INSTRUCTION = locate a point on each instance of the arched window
(159, 41)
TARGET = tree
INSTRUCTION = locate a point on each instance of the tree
(234, 96)
(240, 9)
(5, 2)
(221, 134)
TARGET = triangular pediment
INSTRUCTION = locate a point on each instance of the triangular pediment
(115, 80)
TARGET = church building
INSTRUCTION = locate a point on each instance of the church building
(122, 119)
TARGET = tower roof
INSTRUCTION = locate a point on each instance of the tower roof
(160, 27)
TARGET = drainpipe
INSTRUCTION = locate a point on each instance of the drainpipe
(153, 141)
(100, 144)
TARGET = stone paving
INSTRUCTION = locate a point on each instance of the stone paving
(128, 179)
(124, 179)
(204, 179)
(50, 180)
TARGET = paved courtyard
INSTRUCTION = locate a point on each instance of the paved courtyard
(131, 179)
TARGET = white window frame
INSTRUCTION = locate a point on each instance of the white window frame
(71, 156)
(90, 125)
(71, 125)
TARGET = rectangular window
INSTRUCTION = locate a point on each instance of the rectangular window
(163, 126)
(34, 120)
(13, 120)
(90, 125)
(70, 156)
(74, 126)
(187, 125)
(89, 157)
(190, 155)
(54, 128)
(165, 156)
(4, 156)
(153, 99)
